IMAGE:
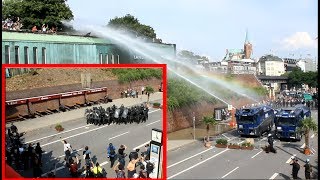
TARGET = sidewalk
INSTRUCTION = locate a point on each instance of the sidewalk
(52, 119)
(174, 144)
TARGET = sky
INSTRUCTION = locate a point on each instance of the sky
(286, 28)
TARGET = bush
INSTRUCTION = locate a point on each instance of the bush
(156, 104)
(246, 144)
(129, 75)
(58, 127)
(222, 141)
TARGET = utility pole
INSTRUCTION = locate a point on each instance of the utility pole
(194, 126)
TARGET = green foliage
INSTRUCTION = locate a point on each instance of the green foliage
(132, 24)
(297, 77)
(191, 57)
(37, 12)
(260, 90)
(307, 125)
(229, 76)
(129, 75)
(156, 104)
(182, 93)
(208, 120)
(222, 141)
(149, 90)
(246, 144)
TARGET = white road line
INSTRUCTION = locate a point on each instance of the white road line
(290, 159)
(256, 154)
(104, 163)
(197, 164)
(274, 175)
(73, 136)
(229, 172)
(303, 145)
(141, 145)
(119, 135)
(59, 133)
(188, 158)
(85, 126)
(312, 136)
(225, 136)
(152, 123)
(241, 142)
(64, 154)
(58, 169)
(313, 150)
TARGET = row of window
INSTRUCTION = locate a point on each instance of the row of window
(109, 59)
(17, 58)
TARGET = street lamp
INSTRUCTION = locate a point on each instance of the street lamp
(194, 126)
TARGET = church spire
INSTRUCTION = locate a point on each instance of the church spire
(247, 37)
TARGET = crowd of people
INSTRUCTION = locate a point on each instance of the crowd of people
(24, 157)
(12, 24)
(21, 156)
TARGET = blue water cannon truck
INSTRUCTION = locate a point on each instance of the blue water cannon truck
(255, 120)
(287, 121)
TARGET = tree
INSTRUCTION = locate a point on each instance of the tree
(192, 57)
(131, 24)
(295, 78)
(37, 12)
(149, 90)
(209, 121)
(305, 127)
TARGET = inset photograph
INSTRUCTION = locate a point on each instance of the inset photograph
(84, 122)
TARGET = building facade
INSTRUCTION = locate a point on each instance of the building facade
(270, 65)
(37, 48)
(307, 65)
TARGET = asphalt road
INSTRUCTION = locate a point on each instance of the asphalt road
(194, 161)
(97, 138)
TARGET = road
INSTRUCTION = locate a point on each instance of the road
(97, 138)
(194, 161)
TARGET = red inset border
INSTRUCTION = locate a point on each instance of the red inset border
(9, 173)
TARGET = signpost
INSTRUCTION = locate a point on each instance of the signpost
(155, 152)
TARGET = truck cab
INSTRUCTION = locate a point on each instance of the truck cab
(255, 120)
(287, 122)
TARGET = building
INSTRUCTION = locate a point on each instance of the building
(270, 65)
(239, 60)
(290, 64)
(307, 65)
(38, 48)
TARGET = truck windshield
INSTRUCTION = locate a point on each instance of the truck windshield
(246, 119)
(286, 121)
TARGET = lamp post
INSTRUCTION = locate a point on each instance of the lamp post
(194, 126)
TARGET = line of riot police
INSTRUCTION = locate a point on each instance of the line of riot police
(117, 115)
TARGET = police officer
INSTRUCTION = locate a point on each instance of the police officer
(295, 168)
(111, 150)
(308, 169)
(270, 141)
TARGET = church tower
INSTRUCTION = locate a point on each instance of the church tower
(247, 47)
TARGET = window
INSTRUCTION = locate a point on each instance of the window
(16, 53)
(26, 55)
(7, 54)
(100, 57)
(35, 55)
(44, 57)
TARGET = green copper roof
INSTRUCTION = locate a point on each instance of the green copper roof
(18, 36)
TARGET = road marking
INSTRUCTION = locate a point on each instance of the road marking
(256, 154)
(241, 142)
(188, 158)
(274, 175)
(104, 163)
(229, 172)
(64, 154)
(141, 145)
(303, 145)
(59, 133)
(197, 164)
(312, 136)
(58, 169)
(73, 136)
(313, 150)
(152, 123)
(85, 126)
(226, 136)
(119, 135)
(290, 159)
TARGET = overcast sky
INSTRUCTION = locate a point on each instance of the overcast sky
(209, 27)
